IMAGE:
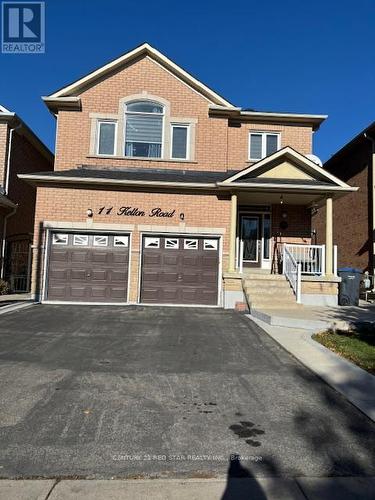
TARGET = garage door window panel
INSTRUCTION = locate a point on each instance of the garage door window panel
(100, 241)
(171, 243)
(190, 244)
(60, 239)
(80, 240)
(152, 242)
(210, 244)
(121, 241)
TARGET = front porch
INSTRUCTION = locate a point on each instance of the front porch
(273, 253)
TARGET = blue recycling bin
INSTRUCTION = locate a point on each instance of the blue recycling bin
(349, 286)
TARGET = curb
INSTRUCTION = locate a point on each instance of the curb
(16, 307)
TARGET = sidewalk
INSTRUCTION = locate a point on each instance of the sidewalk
(340, 488)
(355, 384)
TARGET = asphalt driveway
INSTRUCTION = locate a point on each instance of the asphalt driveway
(135, 391)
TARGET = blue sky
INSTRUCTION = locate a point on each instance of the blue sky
(280, 55)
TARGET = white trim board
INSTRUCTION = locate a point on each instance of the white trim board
(293, 156)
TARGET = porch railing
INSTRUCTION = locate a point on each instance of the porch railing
(292, 272)
(312, 258)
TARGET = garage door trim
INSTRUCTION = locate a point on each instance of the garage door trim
(171, 234)
(46, 256)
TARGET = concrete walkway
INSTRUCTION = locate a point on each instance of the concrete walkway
(357, 385)
(340, 488)
(316, 318)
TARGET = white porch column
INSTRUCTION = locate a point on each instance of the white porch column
(329, 236)
(232, 235)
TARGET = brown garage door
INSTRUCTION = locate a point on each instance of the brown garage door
(180, 270)
(88, 267)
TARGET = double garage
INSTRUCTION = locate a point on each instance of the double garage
(96, 268)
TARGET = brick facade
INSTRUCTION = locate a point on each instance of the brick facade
(25, 158)
(217, 146)
(352, 216)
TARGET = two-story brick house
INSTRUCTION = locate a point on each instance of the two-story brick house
(165, 193)
(21, 151)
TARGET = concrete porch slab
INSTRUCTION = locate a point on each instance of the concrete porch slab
(316, 318)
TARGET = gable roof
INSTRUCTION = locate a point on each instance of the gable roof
(361, 138)
(298, 160)
(142, 50)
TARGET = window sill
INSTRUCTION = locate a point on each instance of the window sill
(137, 158)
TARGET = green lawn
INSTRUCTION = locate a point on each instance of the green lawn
(358, 346)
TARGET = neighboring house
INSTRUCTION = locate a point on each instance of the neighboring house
(165, 193)
(21, 152)
(354, 215)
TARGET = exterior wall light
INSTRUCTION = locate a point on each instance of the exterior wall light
(89, 212)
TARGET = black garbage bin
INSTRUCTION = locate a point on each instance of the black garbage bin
(349, 286)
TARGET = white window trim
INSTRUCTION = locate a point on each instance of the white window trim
(264, 143)
(163, 114)
(188, 127)
(98, 125)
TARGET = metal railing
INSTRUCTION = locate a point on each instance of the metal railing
(292, 272)
(239, 255)
(312, 258)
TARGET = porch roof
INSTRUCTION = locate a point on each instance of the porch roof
(285, 172)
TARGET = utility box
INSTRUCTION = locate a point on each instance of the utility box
(349, 286)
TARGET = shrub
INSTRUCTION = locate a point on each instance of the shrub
(4, 287)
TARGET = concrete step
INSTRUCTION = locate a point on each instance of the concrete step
(269, 307)
(259, 285)
(274, 291)
(261, 302)
(264, 277)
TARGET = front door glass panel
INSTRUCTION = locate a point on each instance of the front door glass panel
(250, 237)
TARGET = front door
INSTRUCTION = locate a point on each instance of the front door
(250, 230)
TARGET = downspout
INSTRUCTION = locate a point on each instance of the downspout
(6, 189)
(372, 140)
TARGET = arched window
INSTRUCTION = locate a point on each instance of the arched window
(144, 129)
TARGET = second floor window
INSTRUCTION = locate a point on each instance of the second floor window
(106, 137)
(262, 144)
(144, 129)
(179, 142)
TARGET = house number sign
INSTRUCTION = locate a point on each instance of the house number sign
(136, 212)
